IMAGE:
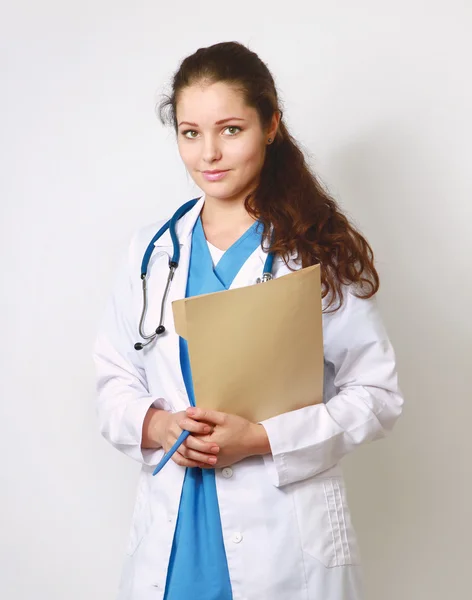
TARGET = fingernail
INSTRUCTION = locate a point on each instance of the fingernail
(214, 449)
(207, 429)
(212, 461)
(191, 411)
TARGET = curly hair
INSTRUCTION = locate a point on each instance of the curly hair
(299, 217)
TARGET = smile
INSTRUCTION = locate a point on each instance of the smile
(214, 175)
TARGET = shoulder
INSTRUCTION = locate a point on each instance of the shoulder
(141, 239)
(353, 304)
(358, 322)
(185, 217)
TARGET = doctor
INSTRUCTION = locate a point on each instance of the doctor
(243, 511)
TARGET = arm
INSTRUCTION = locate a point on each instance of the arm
(124, 405)
(308, 441)
(129, 417)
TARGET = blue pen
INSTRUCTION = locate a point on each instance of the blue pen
(168, 455)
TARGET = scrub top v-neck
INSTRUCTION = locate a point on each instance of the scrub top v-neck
(198, 569)
(216, 253)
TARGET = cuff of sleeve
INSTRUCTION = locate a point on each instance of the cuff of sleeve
(275, 462)
(134, 417)
(150, 457)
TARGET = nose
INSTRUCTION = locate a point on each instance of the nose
(211, 150)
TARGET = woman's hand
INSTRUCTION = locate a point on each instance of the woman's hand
(195, 451)
(236, 437)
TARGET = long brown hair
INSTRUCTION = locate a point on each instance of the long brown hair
(306, 221)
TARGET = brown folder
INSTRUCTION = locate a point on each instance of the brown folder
(256, 351)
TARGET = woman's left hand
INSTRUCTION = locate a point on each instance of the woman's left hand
(236, 437)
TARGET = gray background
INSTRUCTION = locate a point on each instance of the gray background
(379, 94)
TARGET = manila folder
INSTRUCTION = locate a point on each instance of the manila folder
(256, 351)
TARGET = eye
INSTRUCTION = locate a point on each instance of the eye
(189, 134)
(233, 130)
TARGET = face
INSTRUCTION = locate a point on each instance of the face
(220, 140)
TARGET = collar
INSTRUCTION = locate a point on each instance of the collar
(184, 226)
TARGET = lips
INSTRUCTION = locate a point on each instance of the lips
(214, 175)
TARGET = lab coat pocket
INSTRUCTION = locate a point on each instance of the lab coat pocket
(141, 519)
(324, 522)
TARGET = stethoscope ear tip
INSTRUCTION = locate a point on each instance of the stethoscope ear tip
(159, 331)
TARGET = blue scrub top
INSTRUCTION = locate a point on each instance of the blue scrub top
(198, 569)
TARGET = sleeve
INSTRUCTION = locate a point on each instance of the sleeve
(123, 397)
(366, 404)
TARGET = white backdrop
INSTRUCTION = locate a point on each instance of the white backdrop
(379, 94)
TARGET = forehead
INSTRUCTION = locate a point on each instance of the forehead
(204, 103)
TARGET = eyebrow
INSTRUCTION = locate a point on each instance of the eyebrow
(217, 122)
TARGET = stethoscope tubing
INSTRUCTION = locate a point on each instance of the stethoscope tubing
(173, 264)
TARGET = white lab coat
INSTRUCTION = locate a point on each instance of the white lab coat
(286, 524)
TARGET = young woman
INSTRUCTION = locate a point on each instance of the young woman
(250, 511)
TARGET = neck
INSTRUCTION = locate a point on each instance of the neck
(224, 221)
(225, 211)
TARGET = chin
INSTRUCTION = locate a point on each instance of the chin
(219, 194)
(218, 189)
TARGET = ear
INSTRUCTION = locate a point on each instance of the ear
(274, 125)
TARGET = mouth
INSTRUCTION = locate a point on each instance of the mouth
(215, 175)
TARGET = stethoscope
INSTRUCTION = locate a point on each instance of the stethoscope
(173, 264)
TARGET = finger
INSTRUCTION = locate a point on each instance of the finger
(204, 414)
(169, 443)
(189, 452)
(194, 426)
(188, 462)
(198, 457)
(172, 437)
(195, 443)
(183, 462)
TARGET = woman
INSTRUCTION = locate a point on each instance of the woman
(255, 511)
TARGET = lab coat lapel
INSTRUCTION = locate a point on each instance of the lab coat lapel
(164, 353)
(252, 269)
(165, 350)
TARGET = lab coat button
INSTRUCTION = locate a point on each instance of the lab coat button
(237, 537)
(227, 472)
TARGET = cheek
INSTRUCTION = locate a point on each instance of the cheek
(249, 156)
(253, 159)
(187, 153)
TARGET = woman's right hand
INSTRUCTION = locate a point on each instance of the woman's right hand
(194, 452)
